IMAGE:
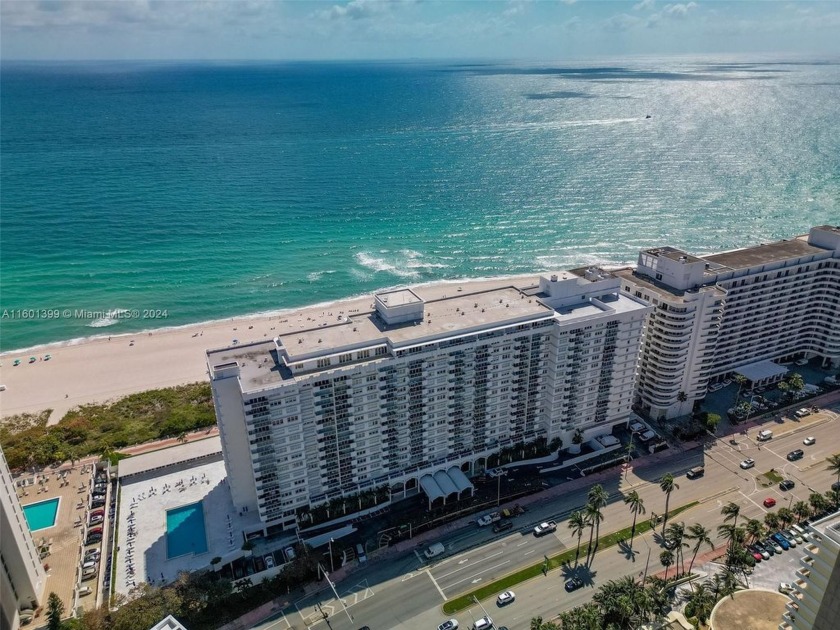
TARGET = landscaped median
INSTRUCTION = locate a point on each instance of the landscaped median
(517, 577)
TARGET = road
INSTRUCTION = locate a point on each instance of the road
(408, 592)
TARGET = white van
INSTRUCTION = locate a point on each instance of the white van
(434, 550)
(765, 435)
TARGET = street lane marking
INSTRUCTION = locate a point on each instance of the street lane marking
(480, 572)
(523, 543)
(468, 566)
(437, 586)
(527, 552)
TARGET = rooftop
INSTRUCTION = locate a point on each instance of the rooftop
(764, 254)
(753, 609)
(673, 253)
(173, 456)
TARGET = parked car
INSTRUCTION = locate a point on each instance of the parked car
(636, 426)
(451, 624)
(747, 463)
(769, 502)
(97, 503)
(505, 598)
(92, 554)
(765, 555)
(801, 413)
(785, 587)
(269, 561)
(573, 584)
(502, 526)
(787, 484)
(773, 546)
(795, 455)
(545, 528)
(89, 574)
(290, 553)
(496, 472)
(755, 554)
(85, 590)
(808, 441)
(784, 543)
(435, 549)
(765, 548)
(647, 436)
(93, 539)
(95, 520)
(792, 535)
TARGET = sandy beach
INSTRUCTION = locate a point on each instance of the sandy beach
(98, 369)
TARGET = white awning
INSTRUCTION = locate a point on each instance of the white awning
(459, 478)
(761, 371)
(430, 487)
(445, 483)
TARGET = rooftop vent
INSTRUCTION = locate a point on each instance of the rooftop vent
(554, 277)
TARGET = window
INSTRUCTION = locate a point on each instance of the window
(322, 363)
(345, 358)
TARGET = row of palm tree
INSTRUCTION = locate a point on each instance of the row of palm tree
(589, 516)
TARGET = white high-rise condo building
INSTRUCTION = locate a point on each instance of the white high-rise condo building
(22, 578)
(815, 602)
(422, 386)
(734, 311)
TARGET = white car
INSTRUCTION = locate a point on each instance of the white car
(802, 362)
(545, 528)
(496, 472)
(747, 463)
(636, 426)
(505, 598)
(451, 624)
(269, 561)
(809, 440)
(647, 436)
(715, 387)
(785, 587)
(85, 590)
(485, 623)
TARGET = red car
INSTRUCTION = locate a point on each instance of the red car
(769, 502)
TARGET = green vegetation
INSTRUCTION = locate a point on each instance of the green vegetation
(772, 477)
(517, 577)
(97, 429)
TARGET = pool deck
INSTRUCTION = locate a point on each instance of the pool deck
(64, 538)
(143, 505)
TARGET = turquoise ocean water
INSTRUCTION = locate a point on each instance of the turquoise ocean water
(208, 191)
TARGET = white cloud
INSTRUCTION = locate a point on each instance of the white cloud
(644, 5)
(354, 10)
(678, 10)
(623, 22)
(569, 2)
(516, 7)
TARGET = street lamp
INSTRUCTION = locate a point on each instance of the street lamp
(332, 561)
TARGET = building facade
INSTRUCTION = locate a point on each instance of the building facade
(22, 578)
(716, 314)
(419, 386)
(815, 604)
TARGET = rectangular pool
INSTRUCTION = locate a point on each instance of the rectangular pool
(185, 532)
(41, 515)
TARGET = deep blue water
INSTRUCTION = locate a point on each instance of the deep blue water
(209, 191)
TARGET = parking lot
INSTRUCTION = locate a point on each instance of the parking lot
(779, 568)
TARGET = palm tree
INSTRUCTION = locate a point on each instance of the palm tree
(598, 498)
(741, 380)
(733, 535)
(594, 516)
(755, 528)
(701, 602)
(833, 497)
(666, 559)
(771, 521)
(577, 523)
(834, 465)
(730, 512)
(637, 506)
(802, 510)
(701, 536)
(675, 534)
(818, 502)
(667, 485)
(786, 516)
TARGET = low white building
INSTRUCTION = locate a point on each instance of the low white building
(422, 386)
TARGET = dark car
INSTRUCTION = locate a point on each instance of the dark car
(768, 548)
(787, 484)
(98, 503)
(794, 455)
(573, 585)
(502, 526)
(92, 540)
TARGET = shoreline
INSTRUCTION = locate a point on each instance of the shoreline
(100, 368)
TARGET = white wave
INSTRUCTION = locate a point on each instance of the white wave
(406, 263)
(317, 275)
(109, 319)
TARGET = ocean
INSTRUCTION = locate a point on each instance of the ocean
(141, 195)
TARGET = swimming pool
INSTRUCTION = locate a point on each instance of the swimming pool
(185, 532)
(41, 515)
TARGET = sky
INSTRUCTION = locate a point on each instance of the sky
(410, 29)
